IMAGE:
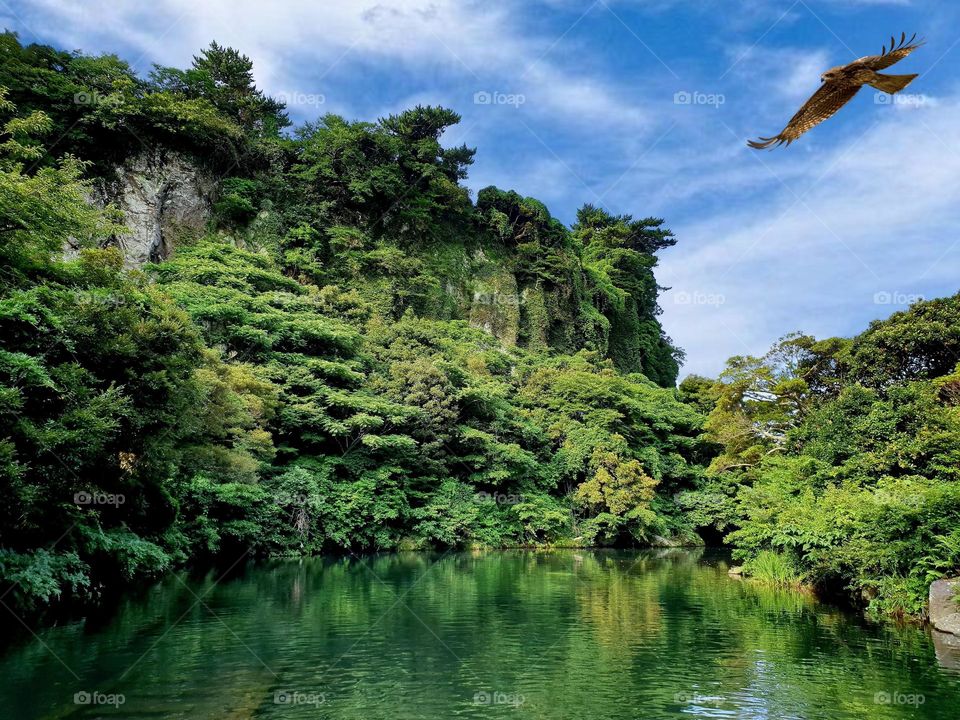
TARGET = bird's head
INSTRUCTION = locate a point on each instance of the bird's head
(831, 74)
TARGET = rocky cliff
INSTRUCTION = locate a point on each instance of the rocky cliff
(161, 193)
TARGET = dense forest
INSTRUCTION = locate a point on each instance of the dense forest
(354, 354)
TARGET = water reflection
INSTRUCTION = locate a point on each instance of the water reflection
(558, 634)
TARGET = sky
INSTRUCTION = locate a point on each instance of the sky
(642, 107)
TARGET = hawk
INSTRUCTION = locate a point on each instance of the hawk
(840, 84)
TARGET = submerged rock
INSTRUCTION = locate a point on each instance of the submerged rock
(947, 648)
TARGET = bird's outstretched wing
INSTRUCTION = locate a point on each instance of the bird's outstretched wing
(829, 98)
(897, 52)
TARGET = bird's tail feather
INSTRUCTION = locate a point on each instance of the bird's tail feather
(764, 143)
(891, 83)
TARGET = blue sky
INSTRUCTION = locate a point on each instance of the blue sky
(644, 107)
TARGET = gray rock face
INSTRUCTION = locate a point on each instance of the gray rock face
(947, 648)
(160, 193)
(944, 605)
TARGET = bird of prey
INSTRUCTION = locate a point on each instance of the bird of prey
(840, 84)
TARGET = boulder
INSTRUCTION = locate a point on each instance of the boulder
(944, 605)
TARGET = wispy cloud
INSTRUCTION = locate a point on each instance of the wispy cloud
(299, 46)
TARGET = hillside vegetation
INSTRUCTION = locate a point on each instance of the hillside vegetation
(356, 355)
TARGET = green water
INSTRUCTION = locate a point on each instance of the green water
(566, 634)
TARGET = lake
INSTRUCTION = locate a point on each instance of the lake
(513, 634)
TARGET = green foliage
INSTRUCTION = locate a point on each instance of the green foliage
(377, 207)
(619, 258)
(390, 179)
(96, 385)
(224, 77)
(844, 457)
(101, 111)
(40, 576)
(450, 517)
(920, 343)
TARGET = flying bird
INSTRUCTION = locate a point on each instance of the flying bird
(839, 86)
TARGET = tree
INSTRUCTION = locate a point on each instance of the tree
(700, 392)
(223, 76)
(920, 343)
(619, 258)
(41, 212)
